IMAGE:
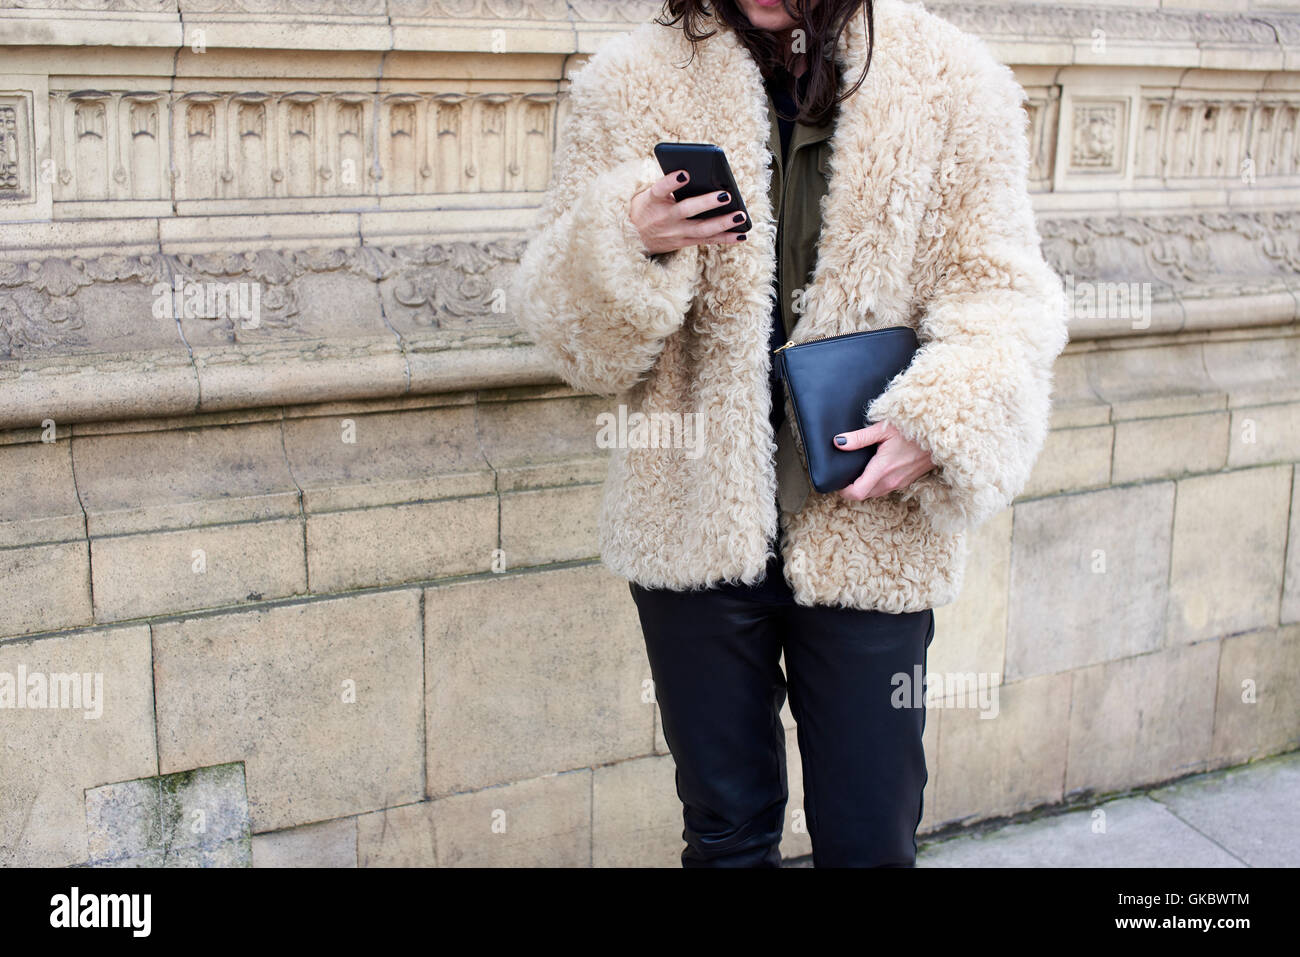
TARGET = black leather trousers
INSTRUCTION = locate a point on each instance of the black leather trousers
(715, 659)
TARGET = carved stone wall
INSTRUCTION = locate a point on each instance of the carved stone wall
(267, 431)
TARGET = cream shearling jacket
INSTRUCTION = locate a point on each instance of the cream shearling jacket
(927, 223)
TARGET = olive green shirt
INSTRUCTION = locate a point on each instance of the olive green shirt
(798, 185)
(796, 193)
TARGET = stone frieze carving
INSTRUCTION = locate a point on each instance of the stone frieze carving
(1192, 253)
(259, 144)
(437, 295)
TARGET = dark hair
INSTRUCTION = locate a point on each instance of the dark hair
(822, 26)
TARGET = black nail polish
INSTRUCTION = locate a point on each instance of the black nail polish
(681, 177)
(841, 440)
(740, 238)
(723, 197)
(738, 218)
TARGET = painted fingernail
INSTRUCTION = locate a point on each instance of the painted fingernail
(681, 177)
(738, 218)
(841, 440)
(740, 238)
(723, 198)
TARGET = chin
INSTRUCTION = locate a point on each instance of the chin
(766, 18)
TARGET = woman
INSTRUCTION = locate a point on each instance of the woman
(915, 135)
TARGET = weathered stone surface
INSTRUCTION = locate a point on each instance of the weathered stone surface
(970, 634)
(795, 839)
(1263, 434)
(1145, 383)
(327, 844)
(274, 688)
(397, 837)
(1088, 578)
(1170, 447)
(1142, 720)
(1258, 706)
(348, 460)
(1291, 589)
(1072, 460)
(1228, 552)
(404, 543)
(136, 576)
(38, 498)
(51, 756)
(148, 481)
(44, 588)
(1004, 755)
(550, 525)
(636, 814)
(195, 818)
(542, 822)
(566, 660)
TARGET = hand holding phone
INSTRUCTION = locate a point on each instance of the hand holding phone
(696, 203)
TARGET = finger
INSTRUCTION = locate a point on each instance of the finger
(861, 438)
(865, 485)
(694, 205)
(665, 187)
(716, 224)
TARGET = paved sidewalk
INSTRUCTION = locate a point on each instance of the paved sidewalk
(1247, 816)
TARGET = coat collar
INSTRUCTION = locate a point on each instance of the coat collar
(866, 245)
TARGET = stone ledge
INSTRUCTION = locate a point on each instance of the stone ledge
(344, 323)
(1028, 33)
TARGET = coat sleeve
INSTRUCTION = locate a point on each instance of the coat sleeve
(977, 395)
(586, 293)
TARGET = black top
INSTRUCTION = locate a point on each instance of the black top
(779, 87)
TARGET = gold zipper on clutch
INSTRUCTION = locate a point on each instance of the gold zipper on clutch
(819, 338)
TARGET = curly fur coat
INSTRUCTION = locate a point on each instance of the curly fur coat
(927, 223)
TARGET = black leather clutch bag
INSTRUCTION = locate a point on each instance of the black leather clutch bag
(831, 382)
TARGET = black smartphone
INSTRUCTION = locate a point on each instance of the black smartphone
(709, 172)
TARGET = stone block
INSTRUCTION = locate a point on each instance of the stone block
(548, 525)
(636, 814)
(397, 837)
(1263, 434)
(137, 576)
(1142, 720)
(402, 543)
(44, 588)
(1141, 383)
(195, 818)
(350, 460)
(1004, 755)
(1291, 588)
(565, 659)
(1228, 552)
(321, 700)
(1088, 578)
(38, 498)
(970, 634)
(50, 756)
(1147, 449)
(327, 844)
(1071, 460)
(150, 481)
(1258, 706)
(541, 822)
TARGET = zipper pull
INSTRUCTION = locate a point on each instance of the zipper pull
(783, 348)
